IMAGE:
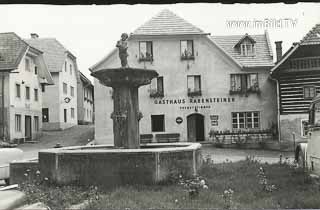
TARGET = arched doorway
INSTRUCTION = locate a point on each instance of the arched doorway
(195, 126)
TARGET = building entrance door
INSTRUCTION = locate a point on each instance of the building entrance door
(195, 126)
(28, 128)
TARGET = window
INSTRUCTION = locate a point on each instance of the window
(247, 49)
(245, 120)
(27, 64)
(36, 94)
(35, 70)
(309, 92)
(65, 88)
(244, 83)
(70, 69)
(65, 66)
(45, 115)
(18, 91)
(72, 91)
(65, 115)
(304, 128)
(145, 51)
(186, 49)
(18, 122)
(36, 123)
(43, 88)
(72, 113)
(28, 93)
(157, 123)
(156, 87)
(194, 85)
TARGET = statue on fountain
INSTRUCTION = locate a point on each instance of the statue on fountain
(122, 45)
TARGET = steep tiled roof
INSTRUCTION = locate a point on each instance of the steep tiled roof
(313, 37)
(54, 52)
(167, 23)
(12, 49)
(262, 57)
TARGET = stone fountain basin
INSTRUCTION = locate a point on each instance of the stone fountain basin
(106, 166)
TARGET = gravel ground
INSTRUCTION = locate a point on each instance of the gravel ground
(77, 135)
(219, 155)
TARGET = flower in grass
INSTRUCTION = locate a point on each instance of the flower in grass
(46, 179)
(202, 182)
(28, 170)
(205, 187)
(37, 172)
(176, 200)
(25, 174)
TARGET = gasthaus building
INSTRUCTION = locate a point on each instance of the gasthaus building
(218, 83)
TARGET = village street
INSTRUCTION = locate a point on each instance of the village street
(77, 135)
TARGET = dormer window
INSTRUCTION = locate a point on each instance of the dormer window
(245, 46)
(145, 51)
(186, 49)
(247, 49)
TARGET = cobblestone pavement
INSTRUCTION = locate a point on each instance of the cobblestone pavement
(219, 155)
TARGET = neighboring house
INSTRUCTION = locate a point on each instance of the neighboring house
(85, 100)
(205, 83)
(298, 81)
(23, 73)
(60, 100)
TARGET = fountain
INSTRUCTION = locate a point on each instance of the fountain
(127, 162)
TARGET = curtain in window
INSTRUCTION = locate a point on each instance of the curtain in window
(252, 81)
(143, 49)
(191, 85)
(153, 85)
(190, 47)
(197, 83)
(184, 48)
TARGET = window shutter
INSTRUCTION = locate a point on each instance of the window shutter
(143, 49)
(197, 83)
(160, 84)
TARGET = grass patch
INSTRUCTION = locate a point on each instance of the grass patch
(292, 190)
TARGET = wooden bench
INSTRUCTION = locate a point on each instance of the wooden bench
(167, 137)
(146, 138)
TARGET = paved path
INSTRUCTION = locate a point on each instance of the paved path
(77, 135)
(219, 155)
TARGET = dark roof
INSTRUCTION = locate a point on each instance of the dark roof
(313, 37)
(12, 49)
(54, 52)
(263, 51)
(167, 23)
(84, 79)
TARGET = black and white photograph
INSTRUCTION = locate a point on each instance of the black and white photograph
(160, 106)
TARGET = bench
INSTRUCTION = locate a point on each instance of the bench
(146, 138)
(167, 137)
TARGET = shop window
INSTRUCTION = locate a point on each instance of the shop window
(194, 85)
(244, 83)
(157, 123)
(245, 120)
(304, 128)
(28, 93)
(18, 122)
(36, 123)
(36, 95)
(145, 51)
(156, 87)
(186, 49)
(18, 91)
(309, 92)
(65, 88)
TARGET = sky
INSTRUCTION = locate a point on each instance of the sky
(90, 31)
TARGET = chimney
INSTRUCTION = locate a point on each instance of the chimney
(34, 35)
(279, 50)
